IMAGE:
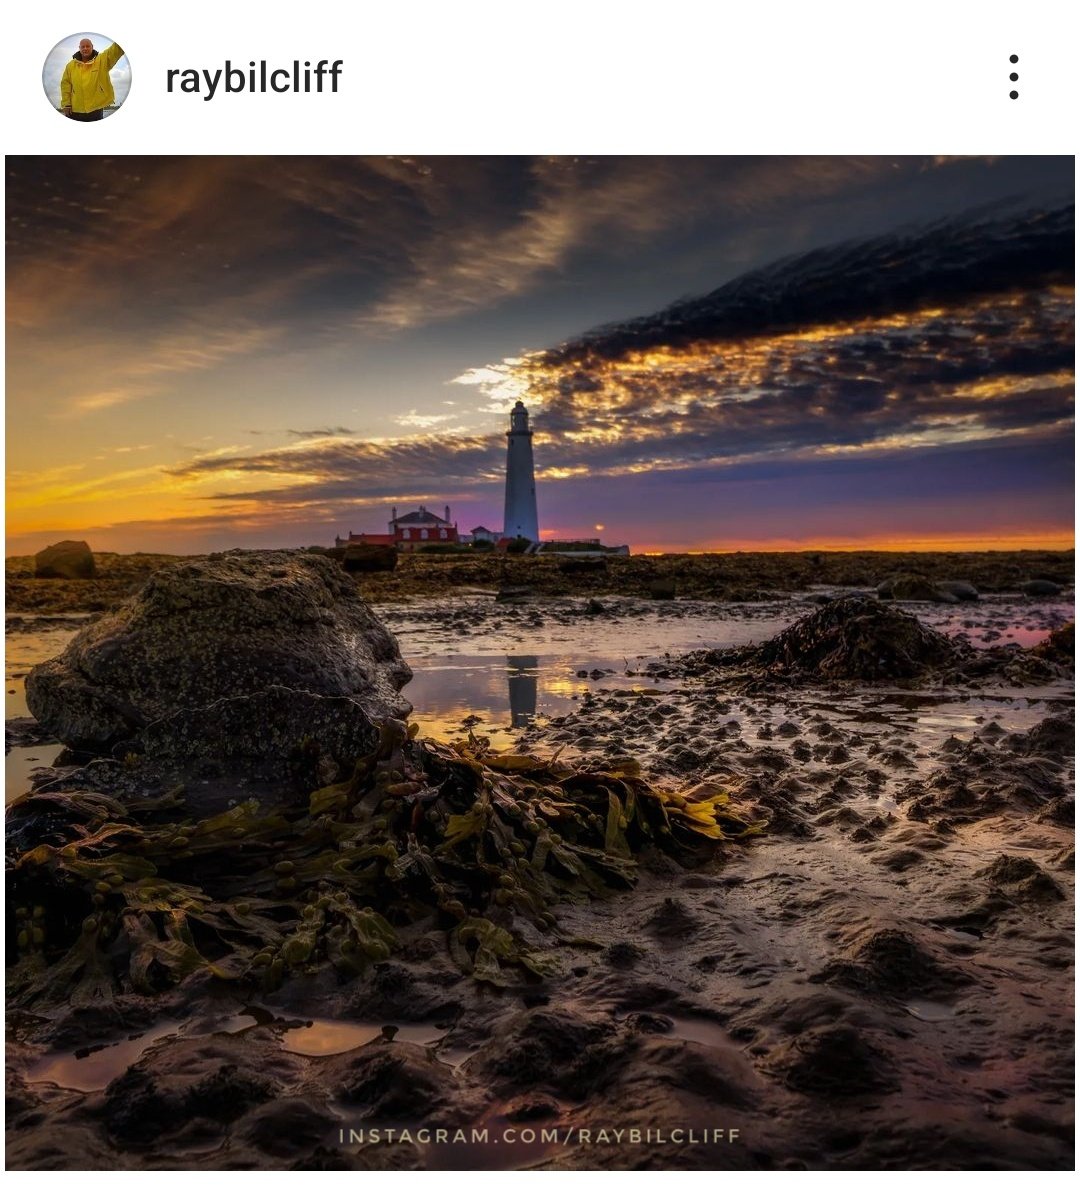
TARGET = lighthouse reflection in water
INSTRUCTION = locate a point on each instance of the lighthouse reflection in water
(521, 676)
(489, 693)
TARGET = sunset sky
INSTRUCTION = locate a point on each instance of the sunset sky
(206, 353)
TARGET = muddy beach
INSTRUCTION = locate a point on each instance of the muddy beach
(852, 945)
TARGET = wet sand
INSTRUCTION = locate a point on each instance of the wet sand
(882, 979)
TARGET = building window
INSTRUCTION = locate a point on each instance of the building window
(442, 533)
(405, 533)
(423, 533)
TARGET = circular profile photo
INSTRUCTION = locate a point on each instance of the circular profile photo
(86, 77)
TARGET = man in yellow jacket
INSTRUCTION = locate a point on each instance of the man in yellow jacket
(86, 88)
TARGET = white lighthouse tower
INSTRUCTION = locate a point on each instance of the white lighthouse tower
(519, 517)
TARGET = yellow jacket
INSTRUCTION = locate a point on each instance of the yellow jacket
(86, 86)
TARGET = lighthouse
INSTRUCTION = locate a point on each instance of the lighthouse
(519, 517)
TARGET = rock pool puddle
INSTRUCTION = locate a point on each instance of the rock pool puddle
(458, 692)
(93, 1067)
(930, 1010)
(28, 641)
(323, 1038)
(22, 763)
(700, 1030)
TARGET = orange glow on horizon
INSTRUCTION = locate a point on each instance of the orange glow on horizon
(1048, 541)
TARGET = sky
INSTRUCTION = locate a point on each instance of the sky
(717, 353)
(62, 53)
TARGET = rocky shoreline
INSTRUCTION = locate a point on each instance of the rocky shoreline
(817, 891)
(737, 576)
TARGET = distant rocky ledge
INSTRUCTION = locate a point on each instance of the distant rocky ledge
(728, 576)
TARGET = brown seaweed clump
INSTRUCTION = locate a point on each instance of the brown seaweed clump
(1060, 646)
(109, 894)
(852, 638)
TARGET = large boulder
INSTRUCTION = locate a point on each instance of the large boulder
(70, 560)
(237, 659)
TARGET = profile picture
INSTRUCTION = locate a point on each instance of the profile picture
(87, 77)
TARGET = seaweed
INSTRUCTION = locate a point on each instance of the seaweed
(137, 897)
(847, 639)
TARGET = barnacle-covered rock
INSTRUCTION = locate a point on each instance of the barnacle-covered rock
(201, 661)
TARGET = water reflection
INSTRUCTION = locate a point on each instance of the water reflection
(522, 677)
(20, 765)
(94, 1067)
(496, 693)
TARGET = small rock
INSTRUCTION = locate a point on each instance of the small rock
(909, 586)
(891, 962)
(228, 1093)
(1041, 588)
(960, 589)
(513, 594)
(672, 920)
(623, 954)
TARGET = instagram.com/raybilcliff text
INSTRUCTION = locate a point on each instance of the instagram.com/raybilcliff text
(549, 1136)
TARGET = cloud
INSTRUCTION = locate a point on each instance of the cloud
(900, 272)
(957, 334)
(317, 433)
(415, 419)
(962, 330)
(320, 247)
(216, 277)
(482, 251)
(144, 368)
(333, 472)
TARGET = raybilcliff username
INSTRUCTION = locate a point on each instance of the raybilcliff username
(258, 79)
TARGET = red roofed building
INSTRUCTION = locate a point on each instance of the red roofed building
(411, 531)
(364, 537)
